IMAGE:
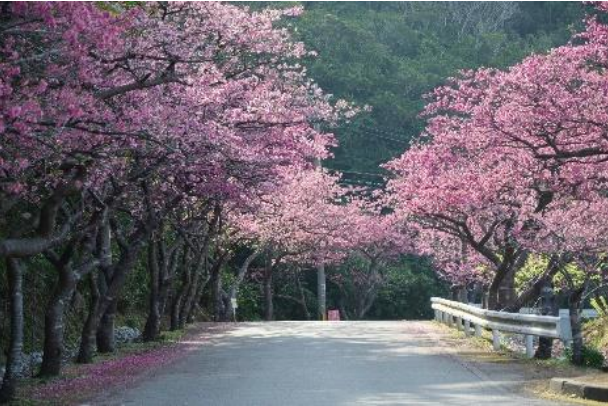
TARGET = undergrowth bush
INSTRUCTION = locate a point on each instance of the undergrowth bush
(592, 357)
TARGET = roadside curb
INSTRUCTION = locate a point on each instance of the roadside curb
(582, 390)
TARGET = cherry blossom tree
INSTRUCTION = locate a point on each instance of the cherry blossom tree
(114, 118)
(512, 156)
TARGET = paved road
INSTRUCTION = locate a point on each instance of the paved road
(312, 363)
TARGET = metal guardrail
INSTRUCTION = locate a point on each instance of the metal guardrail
(463, 316)
(585, 313)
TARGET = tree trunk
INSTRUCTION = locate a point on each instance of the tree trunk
(196, 275)
(105, 331)
(54, 322)
(105, 324)
(574, 306)
(14, 362)
(535, 290)
(268, 305)
(494, 302)
(506, 292)
(365, 300)
(152, 327)
(216, 286)
(88, 339)
(101, 318)
(544, 349)
(178, 298)
(165, 281)
(367, 304)
(163, 296)
(549, 307)
(302, 297)
(197, 298)
(177, 302)
(189, 296)
(342, 307)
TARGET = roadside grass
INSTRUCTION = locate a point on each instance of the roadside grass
(537, 373)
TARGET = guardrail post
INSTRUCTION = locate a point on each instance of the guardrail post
(565, 329)
(478, 331)
(496, 340)
(529, 346)
(467, 328)
(458, 323)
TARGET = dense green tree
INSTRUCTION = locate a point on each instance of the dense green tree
(388, 55)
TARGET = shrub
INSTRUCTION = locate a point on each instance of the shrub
(592, 357)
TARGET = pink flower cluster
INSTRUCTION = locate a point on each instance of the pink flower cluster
(512, 161)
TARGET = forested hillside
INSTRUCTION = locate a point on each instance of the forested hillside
(390, 54)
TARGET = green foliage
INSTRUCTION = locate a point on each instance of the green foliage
(250, 302)
(595, 331)
(600, 305)
(134, 295)
(410, 285)
(537, 264)
(592, 357)
(389, 55)
(171, 336)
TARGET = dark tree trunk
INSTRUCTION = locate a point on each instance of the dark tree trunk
(107, 311)
(500, 288)
(506, 293)
(342, 307)
(196, 274)
(178, 298)
(189, 296)
(268, 303)
(493, 289)
(112, 282)
(14, 362)
(163, 295)
(105, 331)
(54, 323)
(152, 328)
(166, 278)
(174, 323)
(536, 289)
(302, 300)
(501, 291)
(101, 319)
(197, 298)
(574, 305)
(544, 349)
(216, 286)
(88, 339)
(549, 307)
(68, 277)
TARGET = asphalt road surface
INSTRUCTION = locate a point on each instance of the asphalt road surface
(332, 363)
